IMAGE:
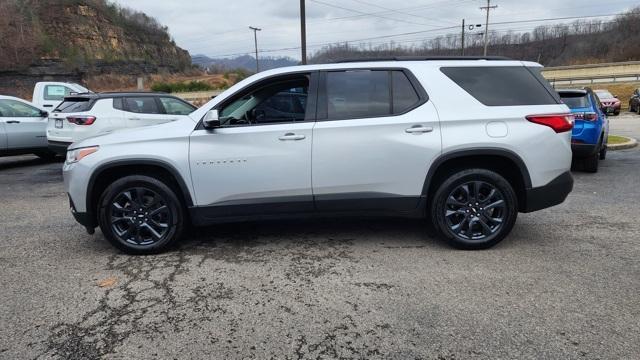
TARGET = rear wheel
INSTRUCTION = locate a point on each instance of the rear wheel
(474, 209)
(603, 152)
(140, 215)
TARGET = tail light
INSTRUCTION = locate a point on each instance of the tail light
(558, 122)
(587, 116)
(81, 120)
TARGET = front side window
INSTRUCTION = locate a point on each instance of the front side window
(13, 108)
(358, 94)
(176, 107)
(142, 105)
(56, 92)
(276, 102)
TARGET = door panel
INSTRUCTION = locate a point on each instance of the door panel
(3, 135)
(253, 169)
(374, 163)
(26, 132)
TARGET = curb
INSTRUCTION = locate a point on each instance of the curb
(626, 145)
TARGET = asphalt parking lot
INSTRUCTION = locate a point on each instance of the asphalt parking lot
(565, 284)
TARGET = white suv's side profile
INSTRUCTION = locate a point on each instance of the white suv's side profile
(465, 143)
(82, 116)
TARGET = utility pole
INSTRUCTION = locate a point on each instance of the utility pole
(303, 31)
(486, 25)
(462, 37)
(255, 38)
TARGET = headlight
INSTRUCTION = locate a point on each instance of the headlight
(76, 155)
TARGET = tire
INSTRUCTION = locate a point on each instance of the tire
(46, 155)
(590, 164)
(603, 152)
(451, 214)
(140, 215)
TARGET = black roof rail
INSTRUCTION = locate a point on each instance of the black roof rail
(421, 58)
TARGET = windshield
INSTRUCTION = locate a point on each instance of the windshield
(604, 94)
(575, 100)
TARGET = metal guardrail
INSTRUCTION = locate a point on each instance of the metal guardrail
(595, 79)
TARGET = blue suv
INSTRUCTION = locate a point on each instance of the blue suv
(591, 130)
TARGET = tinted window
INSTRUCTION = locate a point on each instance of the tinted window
(13, 108)
(142, 105)
(74, 105)
(358, 94)
(276, 102)
(502, 86)
(117, 104)
(56, 92)
(404, 95)
(174, 106)
(575, 100)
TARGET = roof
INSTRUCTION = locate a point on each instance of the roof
(115, 94)
(423, 58)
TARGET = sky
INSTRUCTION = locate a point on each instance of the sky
(221, 28)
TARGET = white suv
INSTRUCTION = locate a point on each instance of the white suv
(465, 143)
(85, 115)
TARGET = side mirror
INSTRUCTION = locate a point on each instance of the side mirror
(211, 119)
(43, 113)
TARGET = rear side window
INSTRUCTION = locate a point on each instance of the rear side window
(174, 106)
(358, 94)
(142, 105)
(404, 95)
(56, 92)
(118, 104)
(575, 100)
(74, 105)
(502, 85)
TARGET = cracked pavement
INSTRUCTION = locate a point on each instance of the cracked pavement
(565, 284)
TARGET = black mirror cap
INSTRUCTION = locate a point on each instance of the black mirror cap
(211, 124)
(44, 113)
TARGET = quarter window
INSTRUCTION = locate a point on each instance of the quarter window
(404, 95)
(142, 105)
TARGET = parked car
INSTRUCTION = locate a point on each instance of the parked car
(22, 128)
(610, 103)
(634, 102)
(49, 94)
(81, 116)
(380, 138)
(591, 129)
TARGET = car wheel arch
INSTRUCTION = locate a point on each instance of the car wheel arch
(111, 171)
(503, 161)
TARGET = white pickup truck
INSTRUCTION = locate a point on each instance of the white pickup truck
(48, 95)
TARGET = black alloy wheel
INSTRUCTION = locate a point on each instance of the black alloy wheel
(140, 215)
(474, 208)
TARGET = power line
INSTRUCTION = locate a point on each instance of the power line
(395, 11)
(420, 32)
(369, 14)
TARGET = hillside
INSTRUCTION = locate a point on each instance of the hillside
(245, 62)
(75, 37)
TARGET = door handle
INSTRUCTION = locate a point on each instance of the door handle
(419, 129)
(291, 136)
(13, 122)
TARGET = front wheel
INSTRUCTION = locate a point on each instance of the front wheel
(474, 209)
(140, 215)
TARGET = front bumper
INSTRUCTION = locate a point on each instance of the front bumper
(554, 193)
(59, 147)
(83, 218)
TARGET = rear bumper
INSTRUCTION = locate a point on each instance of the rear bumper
(554, 193)
(59, 147)
(584, 150)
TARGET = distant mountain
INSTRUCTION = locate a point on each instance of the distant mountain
(246, 62)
